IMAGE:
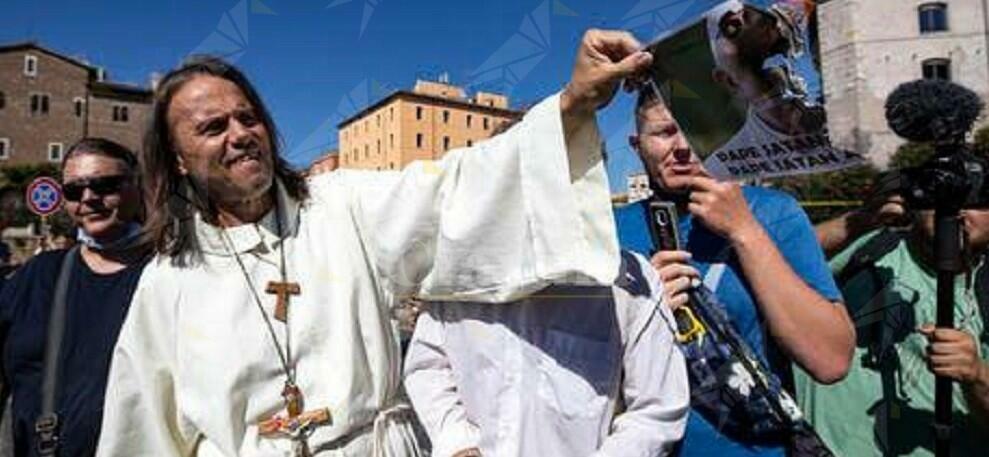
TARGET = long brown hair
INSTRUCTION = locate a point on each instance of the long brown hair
(170, 197)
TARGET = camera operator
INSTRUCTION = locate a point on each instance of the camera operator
(886, 403)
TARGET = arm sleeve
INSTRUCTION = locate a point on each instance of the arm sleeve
(141, 415)
(432, 388)
(795, 238)
(496, 221)
(655, 384)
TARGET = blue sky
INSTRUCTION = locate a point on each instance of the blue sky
(316, 62)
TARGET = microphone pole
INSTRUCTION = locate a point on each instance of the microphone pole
(948, 264)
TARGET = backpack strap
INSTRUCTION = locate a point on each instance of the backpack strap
(46, 426)
(868, 254)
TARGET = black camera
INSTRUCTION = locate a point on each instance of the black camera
(948, 179)
(940, 113)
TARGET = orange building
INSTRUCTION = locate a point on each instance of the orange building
(420, 124)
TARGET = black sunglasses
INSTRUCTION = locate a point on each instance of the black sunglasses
(102, 185)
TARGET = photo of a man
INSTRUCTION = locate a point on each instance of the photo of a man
(744, 103)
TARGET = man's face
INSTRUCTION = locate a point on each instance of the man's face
(221, 141)
(746, 38)
(101, 195)
(975, 223)
(664, 150)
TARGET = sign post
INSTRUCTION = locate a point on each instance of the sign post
(44, 197)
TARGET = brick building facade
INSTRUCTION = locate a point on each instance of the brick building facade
(48, 101)
(419, 124)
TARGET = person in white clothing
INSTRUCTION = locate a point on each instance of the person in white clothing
(545, 375)
(262, 327)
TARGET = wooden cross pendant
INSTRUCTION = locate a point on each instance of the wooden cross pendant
(282, 290)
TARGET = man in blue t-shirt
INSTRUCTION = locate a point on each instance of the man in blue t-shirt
(756, 249)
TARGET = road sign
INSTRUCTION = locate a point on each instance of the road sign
(44, 196)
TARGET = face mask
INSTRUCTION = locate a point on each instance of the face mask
(128, 239)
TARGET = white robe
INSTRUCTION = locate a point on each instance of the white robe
(542, 377)
(194, 370)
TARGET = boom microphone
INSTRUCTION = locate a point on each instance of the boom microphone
(932, 111)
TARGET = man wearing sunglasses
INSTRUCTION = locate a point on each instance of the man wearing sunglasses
(103, 199)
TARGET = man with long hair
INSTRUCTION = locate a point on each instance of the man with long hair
(263, 324)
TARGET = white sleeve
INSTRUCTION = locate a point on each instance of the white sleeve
(496, 221)
(655, 384)
(432, 388)
(140, 414)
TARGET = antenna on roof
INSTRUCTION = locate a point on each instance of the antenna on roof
(445, 78)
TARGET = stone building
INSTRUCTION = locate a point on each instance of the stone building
(49, 100)
(868, 47)
(422, 123)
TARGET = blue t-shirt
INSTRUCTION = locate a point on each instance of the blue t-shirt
(96, 305)
(791, 231)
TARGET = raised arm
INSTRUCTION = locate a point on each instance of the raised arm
(515, 213)
(837, 233)
(812, 328)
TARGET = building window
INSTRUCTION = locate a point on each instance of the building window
(39, 104)
(120, 113)
(469, 119)
(446, 143)
(377, 120)
(418, 113)
(3, 100)
(54, 152)
(391, 140)
(30, 65)
(486, 124)
(4, 148)
(419, 140)
(379, 147)
(470, 143)
(78, 106)
(366, 150)
(937, 69)
(391, 113)
(391, 165)
(933, 17)
(446, 117)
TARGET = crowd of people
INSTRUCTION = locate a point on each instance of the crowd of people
(219, 304)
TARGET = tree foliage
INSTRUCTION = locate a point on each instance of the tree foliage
(14, 180)
(832, 189)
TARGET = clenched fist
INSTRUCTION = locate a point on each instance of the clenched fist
(604, 59)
